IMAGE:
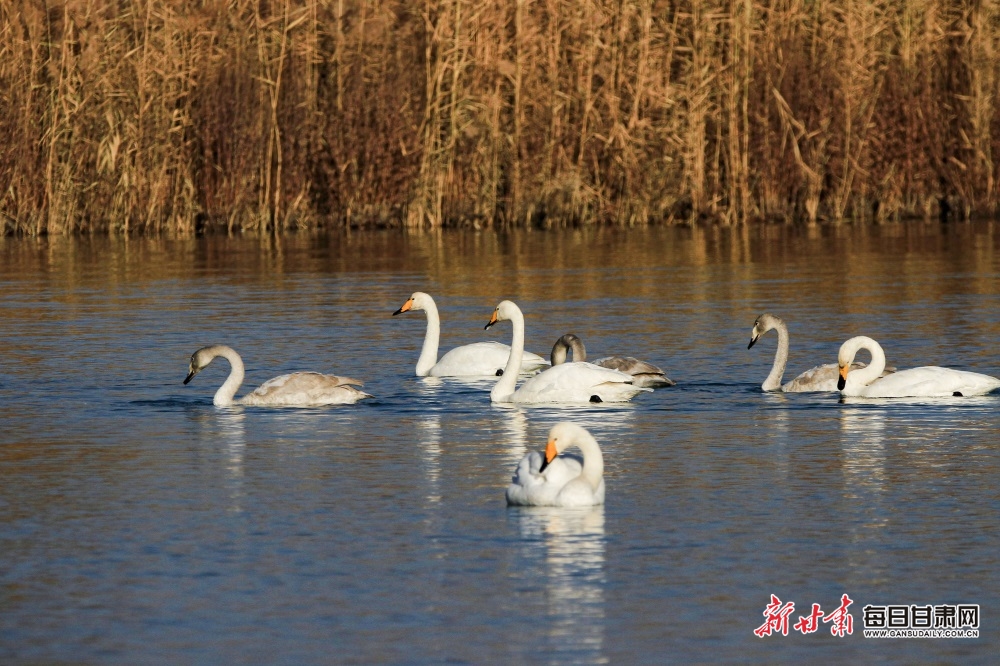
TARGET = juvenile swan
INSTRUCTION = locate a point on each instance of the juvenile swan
(643, 374)
(474, 360)
(568, 383)
(299, 389)
(820, 378)
(560, 480)
(923, 382)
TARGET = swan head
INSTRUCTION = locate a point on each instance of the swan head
(561, 437)
(417, 301)
(504, 311)
(762, 325)
(199, 360)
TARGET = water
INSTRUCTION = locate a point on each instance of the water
(140, 524)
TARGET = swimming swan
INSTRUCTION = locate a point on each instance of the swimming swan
(560, 480)
(570, 382)
(820, 378)
(923, 382)
(474, 360)
(643, 374)
(300, 389)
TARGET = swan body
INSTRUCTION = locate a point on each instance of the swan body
(643, 374)
(922, 382)
(551, 479)
(820, 378)
(566, 383)
(478, 359)
(298, 389)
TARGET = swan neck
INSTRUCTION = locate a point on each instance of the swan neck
(429, 352)
(593, 461)
(224, 396)
(773, 381)
(504, 388)
(862, 377)
(579, 351)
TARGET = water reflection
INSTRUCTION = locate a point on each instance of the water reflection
(864, 462)
(571, 545)
(224, 429)
(429, 440)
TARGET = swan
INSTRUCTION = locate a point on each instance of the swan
(560, 480)
(923, 382)
(575, 382)
(820, 378)
(475, 360)
(643, 374)
(301, 389)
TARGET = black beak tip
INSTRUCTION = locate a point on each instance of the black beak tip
(841, 382)
(188, 378)
(487, 327)
(545, 463)
(399, 311)
(752, 341)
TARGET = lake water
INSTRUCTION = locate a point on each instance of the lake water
(141, 524)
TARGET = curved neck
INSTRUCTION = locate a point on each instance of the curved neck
(593, 460)
(568, 343)
(429, 352)
(773, 381)
(224, 396)
(504, 388)
(858, 379)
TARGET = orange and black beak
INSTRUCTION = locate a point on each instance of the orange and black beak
(842, 382)
(492, 321)
(550, 455)
(405, 308)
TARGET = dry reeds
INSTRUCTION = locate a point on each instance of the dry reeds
(149, 116)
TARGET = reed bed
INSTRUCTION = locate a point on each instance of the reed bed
(155, 117)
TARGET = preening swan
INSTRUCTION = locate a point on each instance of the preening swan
(298, 389)
(568, 383)
(551, 479)
(643, 374)
(478, 359)
(820, 378)
(923, 382)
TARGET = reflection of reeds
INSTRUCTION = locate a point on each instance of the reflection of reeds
(150, 116)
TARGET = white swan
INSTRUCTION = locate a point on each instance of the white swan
(820, 378)
(643, 374)
(569, 382)
(923, 382)
(478, 359)
(560, 480)
(298, 389)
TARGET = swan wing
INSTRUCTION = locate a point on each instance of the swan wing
(305, 389)
(643, 373)
(529, 487)
(930, 382)
(577, 383)
(482, 359)
(822, 378)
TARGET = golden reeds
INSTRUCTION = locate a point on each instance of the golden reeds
(149, 116)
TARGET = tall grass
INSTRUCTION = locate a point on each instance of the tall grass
(152, 116)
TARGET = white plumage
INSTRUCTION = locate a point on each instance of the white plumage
(920, 382)
(565, 383)
(478, 359)
(566, 480)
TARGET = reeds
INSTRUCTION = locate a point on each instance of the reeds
(150, 116)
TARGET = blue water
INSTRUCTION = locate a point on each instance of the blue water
(141, 524)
